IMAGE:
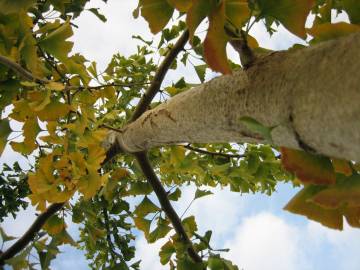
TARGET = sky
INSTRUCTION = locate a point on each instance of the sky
(258, 232)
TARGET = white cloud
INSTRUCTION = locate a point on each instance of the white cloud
(149, 253)
(265, 241)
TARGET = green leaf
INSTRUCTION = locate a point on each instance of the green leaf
(201, 193)
(55, 42)
(196, 14)
(352, 8)
(5, 237)
(96, 12)
(146, 207)
(291, 13)
(167, 250)
(13, 6)
(156, 12)
(189, 224)
(328, 31)
(161, 231)
(201, 71)
(175, 195)
(258, 128)
(238, 12)
(143, 225)
(5, 131)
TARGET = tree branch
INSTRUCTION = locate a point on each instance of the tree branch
(29, 235)
(154, 87)
(165, 203)
(201, 151)
(22, 72)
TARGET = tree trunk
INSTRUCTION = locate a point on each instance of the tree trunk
(311, 96)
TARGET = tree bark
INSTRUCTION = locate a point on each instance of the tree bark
(310, 96)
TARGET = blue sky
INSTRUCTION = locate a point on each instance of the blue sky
(256, 229)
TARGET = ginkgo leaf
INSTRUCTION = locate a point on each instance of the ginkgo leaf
(54, 225)
(341, 166)
(216, 40)
(5, 131)
(327, 31)
(175, 195)
(237, 11)
(119, 174)
(291, 13)
(55, 43)
(157, 13)
(196, 14)
(308, 168)
(89, 184)
(145, 207)
(57, 86)
(161, 231)
(54, 111)
(189, 224)
(166, 251)
(182, 5)
(346, 192)
(13, 6)
(31, 129)
(201, 193)
(301, 205)
(142, 224)
(352, 8)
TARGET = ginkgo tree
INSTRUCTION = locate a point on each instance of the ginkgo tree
(99, 138)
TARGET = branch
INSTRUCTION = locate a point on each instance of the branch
(22, 72)
(29, 235)
(198, 150)
(159, 77)
(165, 204)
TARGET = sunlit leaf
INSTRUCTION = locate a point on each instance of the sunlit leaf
(237, 11)
(327, 31)
(216, 40)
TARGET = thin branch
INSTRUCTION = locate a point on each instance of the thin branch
(154, 87)
(201, 151)
(29, 235)
(165, 204)
(22, 72)
(98, 87)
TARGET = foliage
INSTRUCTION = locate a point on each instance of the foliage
(66, 107)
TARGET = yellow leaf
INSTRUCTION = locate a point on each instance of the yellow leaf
(119, 174)
(196, 14)
(54, 225)
(55, 86)
(53, 111)
(216, 40)
(89, 184)
(237, 11)
(327, 31)
(300, 204)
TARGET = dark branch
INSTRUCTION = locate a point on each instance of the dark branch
(165, 203)
(154, 87)
(201, 151)
(29, 235)
(22, 72)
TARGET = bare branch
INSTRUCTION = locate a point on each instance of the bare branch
(202, 151)
(165, 203)
(159, 77)
(22, 72)
(29, 235)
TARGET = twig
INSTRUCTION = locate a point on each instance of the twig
(22, 72)
(165, 204)
(154, 87)
(199, 150)
(29, 235)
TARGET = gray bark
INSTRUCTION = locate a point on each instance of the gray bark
(311, 95)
